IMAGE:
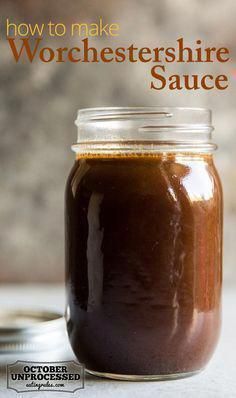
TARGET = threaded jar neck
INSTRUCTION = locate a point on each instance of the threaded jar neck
(143, 130)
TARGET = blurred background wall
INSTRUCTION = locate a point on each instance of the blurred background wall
(38, 104)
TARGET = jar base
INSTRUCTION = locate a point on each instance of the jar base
(124, 377)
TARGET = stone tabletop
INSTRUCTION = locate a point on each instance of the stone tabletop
(217, 381)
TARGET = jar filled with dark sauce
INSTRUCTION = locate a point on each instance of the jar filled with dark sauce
(144, 243)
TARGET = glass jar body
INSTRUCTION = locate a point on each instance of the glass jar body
(143, 263)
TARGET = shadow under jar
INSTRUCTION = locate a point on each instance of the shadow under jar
(143, 243)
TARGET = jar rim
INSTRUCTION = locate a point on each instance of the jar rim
(123, 128)
(116, 111)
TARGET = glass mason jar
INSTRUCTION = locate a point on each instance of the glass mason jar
(144, 243)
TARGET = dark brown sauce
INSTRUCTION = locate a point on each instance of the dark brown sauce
(143, 262)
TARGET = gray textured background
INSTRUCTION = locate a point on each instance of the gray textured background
(39, 103)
